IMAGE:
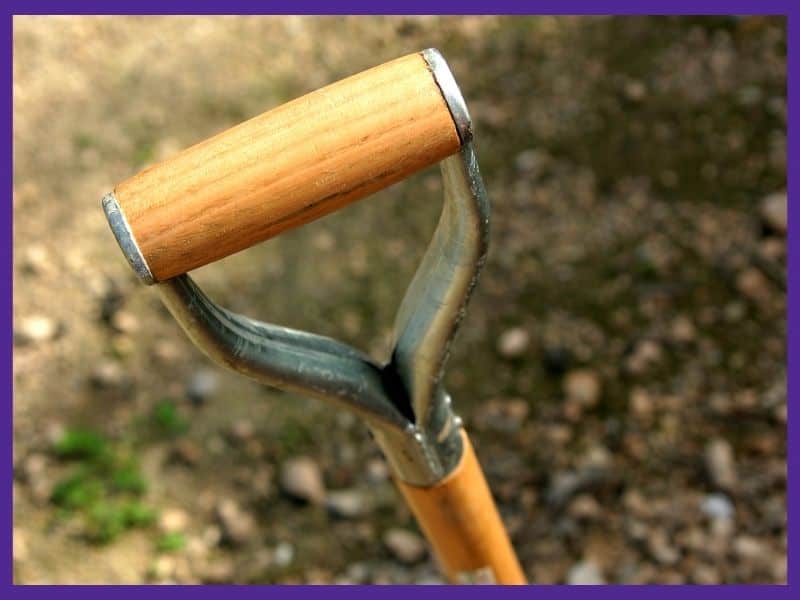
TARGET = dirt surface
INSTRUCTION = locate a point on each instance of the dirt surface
(621, 369)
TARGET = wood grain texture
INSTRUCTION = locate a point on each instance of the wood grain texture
(288, 166)
(461, 522)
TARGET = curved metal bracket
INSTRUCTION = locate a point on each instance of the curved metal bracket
(403, 402)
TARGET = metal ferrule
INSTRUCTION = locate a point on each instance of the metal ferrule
(122, 231)
(403, 402)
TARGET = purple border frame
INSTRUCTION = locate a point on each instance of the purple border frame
(789, 8)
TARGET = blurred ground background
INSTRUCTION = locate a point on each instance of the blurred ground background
(621, 369)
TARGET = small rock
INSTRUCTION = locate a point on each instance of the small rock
(641, 404)
(585, 572)
(682, 330)
(774, 212)
(173, 520)
(301, 478)
(36, 260)
(124, 322)
(377, 470)
(241, 430)
(584, 506)
(405, 545)
(752, 549)
(646, 354)
(753, 284)
(582, 386)
(347, 504)
(564, 485)
(36, 329)
(358, 572)
(283, 555)
(238, 526)
(705, 575)
(720, 464)
(219, 570)
(108, 374)
(163, 568)
(513, 343)
(166, 351)
(635, 90)
(186, 452)
(203, 384)
(717, 506)
(661, 549)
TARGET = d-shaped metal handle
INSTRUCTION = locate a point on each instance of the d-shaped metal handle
(403, 402)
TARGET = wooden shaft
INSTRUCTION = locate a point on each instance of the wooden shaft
(461, 522)
(288, 166)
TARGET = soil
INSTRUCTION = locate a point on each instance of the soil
(621, 369)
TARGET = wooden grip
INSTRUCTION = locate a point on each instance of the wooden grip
(461, 522)
(288, 166)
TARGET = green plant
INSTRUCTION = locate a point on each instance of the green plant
(171, 542)
(103, 488)
(168, 419)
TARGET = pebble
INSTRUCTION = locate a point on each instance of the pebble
(36, 260)
(301, 478)
(682, 330)
(347, 504)
(186, 452)
(124, 322)
(646, 354)
(774, 212)
(241, 430)
(108, 374)
(660, 548)
(753, 284)
(202, 384)
(173, 520)
(163, 568)
(513, 342)
(641, 404)
(635, 90)
(717, 506)
(219, 570)
(720, 464)
(705, 575)
(405, 545)
(749, 548)
(585, 572)
(36, 329)
(582, 386)
(283, 555)
(377, 470)
(238, 526)
(166, 351)
(584, 506)
(564, 486)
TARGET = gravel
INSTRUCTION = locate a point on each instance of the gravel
(301, 478)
